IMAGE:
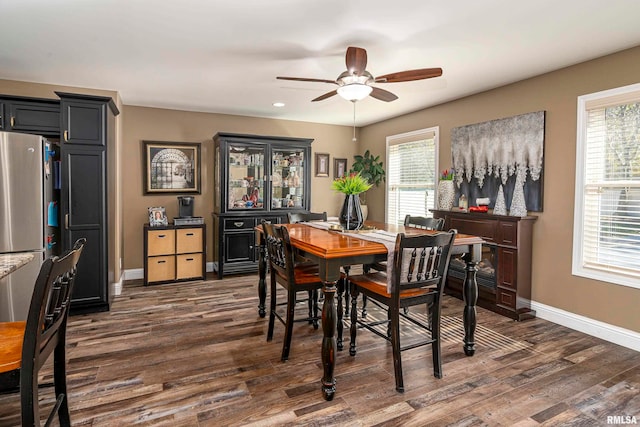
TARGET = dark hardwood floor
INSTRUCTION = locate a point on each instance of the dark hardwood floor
(195, 354)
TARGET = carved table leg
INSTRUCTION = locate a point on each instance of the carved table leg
(347, 291)
(329, 314)
(340, 311)
(262, 283)
(470, 294)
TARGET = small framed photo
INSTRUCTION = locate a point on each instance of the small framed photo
(339, 168)
(322, 164)
(171, 167)
(157, 216)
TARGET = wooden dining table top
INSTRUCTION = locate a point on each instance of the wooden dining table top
(329, 244)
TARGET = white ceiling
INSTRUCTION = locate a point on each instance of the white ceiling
(223, 55)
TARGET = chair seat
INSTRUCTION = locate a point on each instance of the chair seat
(303, 275)
(12, 334)
(377, 284)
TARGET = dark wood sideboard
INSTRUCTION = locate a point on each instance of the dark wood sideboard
(504, 275)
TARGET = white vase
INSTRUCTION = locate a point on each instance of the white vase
(446, 194)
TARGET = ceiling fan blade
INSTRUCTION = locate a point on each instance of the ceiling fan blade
(303, 79)
(383, 95)
(410, 75)
(356, 60)
(325, 96)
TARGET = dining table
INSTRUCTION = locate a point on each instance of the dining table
(334, 249)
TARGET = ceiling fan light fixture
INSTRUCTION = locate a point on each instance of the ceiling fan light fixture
(354, 91)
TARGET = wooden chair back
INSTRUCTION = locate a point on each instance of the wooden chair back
(424, 222)
(279, 252)
(421, 262)
(295, 217)
(45, 330)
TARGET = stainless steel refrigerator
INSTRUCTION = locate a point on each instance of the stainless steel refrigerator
(28, 215)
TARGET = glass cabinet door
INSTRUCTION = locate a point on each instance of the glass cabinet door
(287, 178)
(246, 177)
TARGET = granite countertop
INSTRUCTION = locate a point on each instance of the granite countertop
(11, 262)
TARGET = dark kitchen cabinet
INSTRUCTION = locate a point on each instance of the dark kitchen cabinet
(87, 128)
(30, 115)
(255, 178)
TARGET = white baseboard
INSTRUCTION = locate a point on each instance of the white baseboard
(615, 334)
(138, 273)
(116, 287)
(134, 273)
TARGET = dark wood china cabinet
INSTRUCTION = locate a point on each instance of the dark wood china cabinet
(255, 178)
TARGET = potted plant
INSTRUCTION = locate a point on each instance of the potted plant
(352, 186)
(371, 168)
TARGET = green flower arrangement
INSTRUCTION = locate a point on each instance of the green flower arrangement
(353, 183)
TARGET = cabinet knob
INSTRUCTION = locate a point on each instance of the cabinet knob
(189, 259)
(161, 262)
(189, 234)
(160, 236)
(238, 223)
(13, 121)
(66, 135)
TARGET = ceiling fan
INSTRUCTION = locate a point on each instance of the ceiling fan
(355, 83)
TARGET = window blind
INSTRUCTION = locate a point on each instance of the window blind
(411, 175)
(610, 211)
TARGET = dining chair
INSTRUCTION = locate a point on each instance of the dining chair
(295, 217)
(424, 222)
(26, 345)
(293, 278)
(417, 277)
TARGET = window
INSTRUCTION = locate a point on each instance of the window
(606, 234)
(411, 174)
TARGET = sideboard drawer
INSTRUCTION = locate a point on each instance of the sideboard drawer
(507, 233)
(484, 229)
(239, 223)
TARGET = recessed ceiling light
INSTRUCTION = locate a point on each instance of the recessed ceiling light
(278, 104)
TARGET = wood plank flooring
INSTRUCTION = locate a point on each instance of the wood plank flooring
(195, 354)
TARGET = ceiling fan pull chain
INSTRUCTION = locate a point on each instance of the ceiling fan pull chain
(354, 139)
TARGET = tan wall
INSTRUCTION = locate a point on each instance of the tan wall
(41, 90)
(556, 93)
(141, 123)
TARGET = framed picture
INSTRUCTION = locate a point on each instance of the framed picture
(322, 164)
(157, 216)
(171, 167)
(339, 167)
